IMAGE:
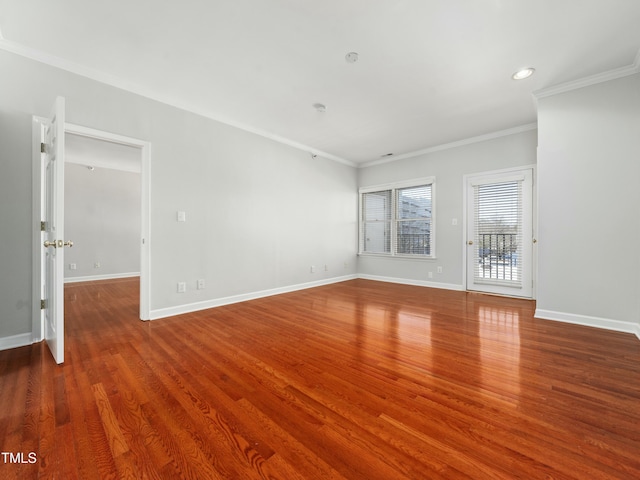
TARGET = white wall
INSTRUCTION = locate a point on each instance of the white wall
(449, 168)
(102, 217)
(589, 205)
(259, 213)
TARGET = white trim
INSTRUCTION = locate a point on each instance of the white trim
(218, 302)
(591, 80)
(589, 321)
(92, 278)
(15, 341)
(145, 208)
(458, 143)
(137, 89)
(417, 283)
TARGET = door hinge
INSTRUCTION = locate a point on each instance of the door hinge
(43, 226)
(43, 304)
(43, 148)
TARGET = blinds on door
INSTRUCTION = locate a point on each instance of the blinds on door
(498, 239)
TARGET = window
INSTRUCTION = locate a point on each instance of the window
(397, 219)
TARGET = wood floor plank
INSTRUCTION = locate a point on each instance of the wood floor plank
(355, 380)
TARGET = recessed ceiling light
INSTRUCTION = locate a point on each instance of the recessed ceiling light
(320, 107)
(351, 57)
(523, 73)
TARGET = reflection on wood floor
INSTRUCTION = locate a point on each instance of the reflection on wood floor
(356, 380)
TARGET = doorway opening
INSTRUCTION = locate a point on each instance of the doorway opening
(102, 209)
(115, 158)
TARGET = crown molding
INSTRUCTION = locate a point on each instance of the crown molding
(137, 89)
(591, 80)
(458, 143)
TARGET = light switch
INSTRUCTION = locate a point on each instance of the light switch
(182, 216)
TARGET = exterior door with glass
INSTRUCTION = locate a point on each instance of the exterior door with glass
(500, 233)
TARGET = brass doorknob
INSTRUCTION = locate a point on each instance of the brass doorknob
(470, 242)
(58, 243)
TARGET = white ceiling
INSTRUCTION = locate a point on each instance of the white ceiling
(430, 72)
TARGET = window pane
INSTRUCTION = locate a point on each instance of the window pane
(414, 202)
(376, 213)
(413, 225)
(377, 206)
(377, 237)
(414, 237)
(498, 233)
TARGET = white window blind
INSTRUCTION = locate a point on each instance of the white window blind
(498, 233)
(413, 220)
(376, 222)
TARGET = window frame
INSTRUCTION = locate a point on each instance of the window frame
(395, 218)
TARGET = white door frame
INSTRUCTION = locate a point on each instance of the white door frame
(37, 199)
(534, 222)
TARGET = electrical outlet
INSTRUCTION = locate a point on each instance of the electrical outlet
(430, 274)
(201, 284)
(96, 265)
(182, 287)
(72, 266)
(439, 270)
(313, 269)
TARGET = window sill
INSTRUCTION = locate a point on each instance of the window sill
(398, 257)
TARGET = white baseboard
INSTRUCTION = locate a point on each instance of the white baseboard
(16, 341)
(91, 278)
(218, 302)
(418, 283)
(598, 322)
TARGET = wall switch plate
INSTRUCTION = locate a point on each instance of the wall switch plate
(313, 269)
(96, 265)
(439, 270)
(182, 287)
(430, 274)
(201, 284)
(181, 216)
(454, 221)
(72, 266)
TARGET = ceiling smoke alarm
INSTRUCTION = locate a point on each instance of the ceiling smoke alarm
(351, 57)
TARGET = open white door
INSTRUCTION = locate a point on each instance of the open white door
(53, 218)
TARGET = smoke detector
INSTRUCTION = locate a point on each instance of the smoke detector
(351, 57)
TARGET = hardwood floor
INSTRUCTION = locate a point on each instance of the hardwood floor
(356, 380)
